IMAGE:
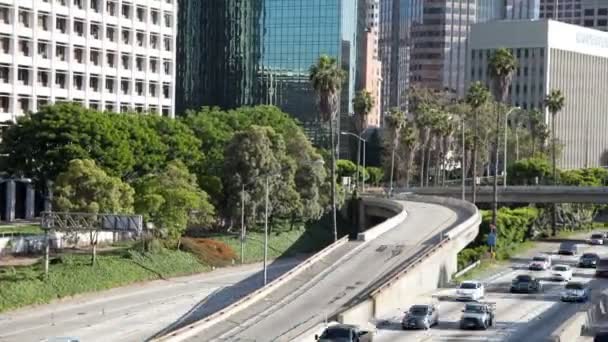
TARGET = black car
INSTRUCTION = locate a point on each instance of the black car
(524, 283)
(568, 248)
(420, 317)
(588, 260)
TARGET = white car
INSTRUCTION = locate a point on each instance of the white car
(540, 263)
(596, 239)
(470, 290)
(561, 273)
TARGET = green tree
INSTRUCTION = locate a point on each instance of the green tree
(345, 168)
(538, 130)
(477, 97)
(502, 64)
(362, 105)
(256, 157)
(409, 144)
(84, 187)
(376, 175)
(172, 199)
(395, 120)
(525, 171)
(41, 145)
(327, 77)
(554, 103)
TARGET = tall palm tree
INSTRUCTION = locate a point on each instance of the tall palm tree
(502, 64)
(327, 77)
(395, 121)
(409, 141)
(477, 97)
(363, 103)
(554, 103)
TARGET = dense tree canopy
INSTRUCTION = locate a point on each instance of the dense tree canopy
(84, 187)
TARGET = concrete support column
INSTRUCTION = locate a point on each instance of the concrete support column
(30, 197)
(48, 196)
(9, 212)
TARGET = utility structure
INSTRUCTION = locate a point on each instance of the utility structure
(69, 222)
(359, 140)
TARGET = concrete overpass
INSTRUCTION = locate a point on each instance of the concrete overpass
(356, 280)
(521, 194)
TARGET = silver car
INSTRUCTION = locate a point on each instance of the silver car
(576, 292)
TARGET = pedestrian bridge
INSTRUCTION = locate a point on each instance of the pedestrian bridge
(521, 194)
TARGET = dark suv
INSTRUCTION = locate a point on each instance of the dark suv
(568, 248)
(524, 283)
(588, 260)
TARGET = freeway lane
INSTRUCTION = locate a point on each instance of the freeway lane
(520, 317)
(289, 312)
(131, 313)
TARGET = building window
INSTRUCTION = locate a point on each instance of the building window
(588, 23)
(43, 21)
(78, 4)
(124, 86)
(602, 22)
(61, 24)
(5, 15)
(79, 28)
(111, 60)
(23, 76)
(141, 14)
(78, 82)
(95, 28)
(111, 8)
(43, 78)
(95, 57)
(589, 12)
(155, 15)
(24, 18)
(126, 11)
(602, 11)
(110, 85)
(94, 83)
(79, 54)
(111, 33)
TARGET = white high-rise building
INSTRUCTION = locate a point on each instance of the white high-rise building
(115, 55)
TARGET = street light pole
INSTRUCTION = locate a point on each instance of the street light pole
(358, 154)
(364, 165)
(504, 166)
(358, 162)
(243, 223)
(266, 234)
(462, 166)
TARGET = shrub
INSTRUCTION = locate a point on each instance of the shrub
(210, 252)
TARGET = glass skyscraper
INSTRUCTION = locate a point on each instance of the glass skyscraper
(247, 52)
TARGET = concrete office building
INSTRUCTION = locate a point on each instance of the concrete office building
(554, 55)
(588, 13)
(115, 55)
(522, 9)
(439, 41)
(372, 78)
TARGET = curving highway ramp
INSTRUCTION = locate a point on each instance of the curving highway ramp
(336, 280)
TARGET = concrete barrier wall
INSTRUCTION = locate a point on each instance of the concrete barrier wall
(570, 330)
(19, 244)
(430, 270)
(390, 223)
(194, 328)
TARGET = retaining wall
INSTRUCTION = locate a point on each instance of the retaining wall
(432, 269)
(20, 244)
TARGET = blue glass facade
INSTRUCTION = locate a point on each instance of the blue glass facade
(278, 41)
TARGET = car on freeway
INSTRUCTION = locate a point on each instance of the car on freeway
(588, 260)
(567, 248)
(345, 333)
(576, 291)
(561, 273)
(524, 283)
(478, 315)
(61, 339)
(420, 317)
(470, 290)
(540, 263)
(601, 269)
(596, 239)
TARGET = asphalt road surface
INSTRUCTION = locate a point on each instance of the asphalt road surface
(289, 312)
(137, 312)
(519, 317)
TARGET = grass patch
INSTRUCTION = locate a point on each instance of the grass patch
(283, 243)
(72, 274)
(25, 229)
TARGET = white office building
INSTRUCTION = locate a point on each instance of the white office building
(115, 55)
(554, 55)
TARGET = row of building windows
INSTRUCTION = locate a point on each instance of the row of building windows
(95, 31)
(25, 104)
(127, 10)
(82, 82)
(80, 55)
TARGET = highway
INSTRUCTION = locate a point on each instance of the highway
(135, 313)
(294, 309)
(519, 317)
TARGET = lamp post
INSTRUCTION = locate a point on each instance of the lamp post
(318, 162)
(462, 166)
(359, 140)
(504, 166)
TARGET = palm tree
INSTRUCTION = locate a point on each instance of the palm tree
(554, 103)
(409, 141)
(502, 64)
(327, 77)
(363, 103)
(477, 97)
(395, 121)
